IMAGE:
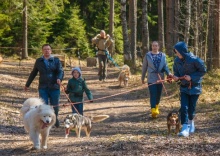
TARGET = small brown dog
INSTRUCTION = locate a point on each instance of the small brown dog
(124, 75)
(173, 120)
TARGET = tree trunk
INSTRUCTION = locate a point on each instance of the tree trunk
(196, 28)
(216, 51)
(145, 30)
(170, 26)
(111, 26)
(160, 23)
(176, 21)
(188, 20)
(201, 27)
(133, 13)
(25, 31)
(210, 35)
(126, 47)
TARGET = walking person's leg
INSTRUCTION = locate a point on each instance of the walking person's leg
(77, 108)
(192, 112)
(100, 67)
(43, 94)
(80, 108)
(153, 101)
(54, 101)
(185, 100)
(105, 64)
(159, 92)
(74, 108)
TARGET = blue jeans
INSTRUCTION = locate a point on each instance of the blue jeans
(79, 108)
(188, 107)
(52, 97)
(155, 94)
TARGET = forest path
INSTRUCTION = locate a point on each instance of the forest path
(129, 130)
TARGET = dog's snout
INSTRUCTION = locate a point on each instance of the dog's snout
(47, 121)
(173, 121)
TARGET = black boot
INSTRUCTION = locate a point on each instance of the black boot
(56, 110)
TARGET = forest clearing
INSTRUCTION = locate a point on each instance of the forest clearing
(129, 130)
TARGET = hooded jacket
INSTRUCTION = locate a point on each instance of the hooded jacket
(76, 88)
(189, 65)
(149, 68)
(48, 73)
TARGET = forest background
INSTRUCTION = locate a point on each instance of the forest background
(69, 25)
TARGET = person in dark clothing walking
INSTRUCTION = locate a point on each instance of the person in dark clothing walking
(189, 70)
(51, 75)
(102, 42)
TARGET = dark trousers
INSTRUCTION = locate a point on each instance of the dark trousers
(188, 107)
(78, 107)
(102, 66)
(155, 94)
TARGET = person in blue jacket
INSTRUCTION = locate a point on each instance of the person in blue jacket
(189, 70)
(51, 74)
(155, 65)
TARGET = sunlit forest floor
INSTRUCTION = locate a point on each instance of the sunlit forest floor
(130, 130)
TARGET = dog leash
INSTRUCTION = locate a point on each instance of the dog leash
(105, 97)
(63, 89)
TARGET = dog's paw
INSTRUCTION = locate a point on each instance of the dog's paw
(44, 147)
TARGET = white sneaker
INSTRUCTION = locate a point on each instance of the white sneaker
(191, 126)
(185, 131)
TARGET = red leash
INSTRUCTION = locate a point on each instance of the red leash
(190, 83)
(63, 89)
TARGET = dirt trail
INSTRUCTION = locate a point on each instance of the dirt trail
(129, 131)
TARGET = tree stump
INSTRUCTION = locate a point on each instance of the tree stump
(1, 59)
(91, 61)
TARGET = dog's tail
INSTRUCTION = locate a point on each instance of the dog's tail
(30, 103)
(125, 67)
(99, 118)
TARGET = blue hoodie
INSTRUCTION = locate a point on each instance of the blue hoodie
(189, 65)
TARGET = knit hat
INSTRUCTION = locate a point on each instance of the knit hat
(77, 69)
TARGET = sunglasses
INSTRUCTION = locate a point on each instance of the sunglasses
(174, 51)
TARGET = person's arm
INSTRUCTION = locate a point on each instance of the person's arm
(109, 41)
(144, 68)
(200, 71)
(95, 39)
(67, 91)
(87, 91)
(32, 75)
(60, 72)
(166, 68)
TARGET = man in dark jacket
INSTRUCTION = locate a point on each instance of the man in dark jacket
(189, 70)
(51, 75)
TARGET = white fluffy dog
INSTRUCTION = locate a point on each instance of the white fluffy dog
(38, 119)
